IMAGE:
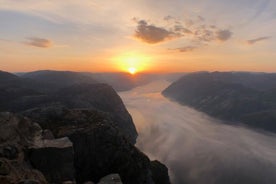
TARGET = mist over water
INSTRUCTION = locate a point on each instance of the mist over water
(196, 148)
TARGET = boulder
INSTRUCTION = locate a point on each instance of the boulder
(54, 158)
(22, 151)
(111, 179)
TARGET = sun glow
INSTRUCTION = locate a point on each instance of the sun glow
(132, 70)
(132, 63)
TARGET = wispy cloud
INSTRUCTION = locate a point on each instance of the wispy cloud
(39, 42)
(184, 49)
(253, 41)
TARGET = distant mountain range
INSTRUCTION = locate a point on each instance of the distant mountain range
(241, 97)
(119, 81)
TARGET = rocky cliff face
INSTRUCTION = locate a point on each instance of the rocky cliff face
(95, 148)
(86, 96)
(229, 96)
(16, 135)
(99, 146)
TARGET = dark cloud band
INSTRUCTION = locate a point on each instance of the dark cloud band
(38, 42)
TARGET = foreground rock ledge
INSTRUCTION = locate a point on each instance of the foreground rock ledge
(95, 147)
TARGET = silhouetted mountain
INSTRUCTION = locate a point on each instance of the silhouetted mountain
(10, 80)
(59, 79)
(119, 81)
(5, 76)
(228, 95)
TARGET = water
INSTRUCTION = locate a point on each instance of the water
(196, 148)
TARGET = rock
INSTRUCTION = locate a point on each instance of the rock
(29, 182)
(47, 134)
(18, 171)
(99, 97)
(100, 147)
(17, 130)
(4, 168)
(159, 172)
(54, 158)
(69, 182)
(89, 182)
(111, 179)
(9, 152)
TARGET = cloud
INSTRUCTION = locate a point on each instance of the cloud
(180, 28)
(168, 18)
(224, 35)
(193, 30)
(184, 49)
(152, 34)
(39, 42)
(253, 41)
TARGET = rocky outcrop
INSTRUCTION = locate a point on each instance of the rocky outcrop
(96, 149)
(54, 158)
(16, 135)
(111, 179)
(159, 172)
(100, 148)
(103, 98)
(99, 97)
(24, 155)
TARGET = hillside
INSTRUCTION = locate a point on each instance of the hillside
(231, 96)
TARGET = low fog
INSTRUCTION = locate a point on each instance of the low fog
(196, 148)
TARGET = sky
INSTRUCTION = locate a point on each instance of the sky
(148, 35)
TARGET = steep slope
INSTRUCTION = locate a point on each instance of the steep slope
(86, 96)
(99, 146)
(226, 95)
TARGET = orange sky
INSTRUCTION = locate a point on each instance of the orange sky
(168, 36)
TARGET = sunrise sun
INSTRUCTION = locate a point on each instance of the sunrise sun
(132, 70)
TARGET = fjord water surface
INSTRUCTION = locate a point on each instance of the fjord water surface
(196, 148)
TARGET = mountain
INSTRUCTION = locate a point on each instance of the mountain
(58, 79)
(118, 80)
(231, 96)
(5, 76)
